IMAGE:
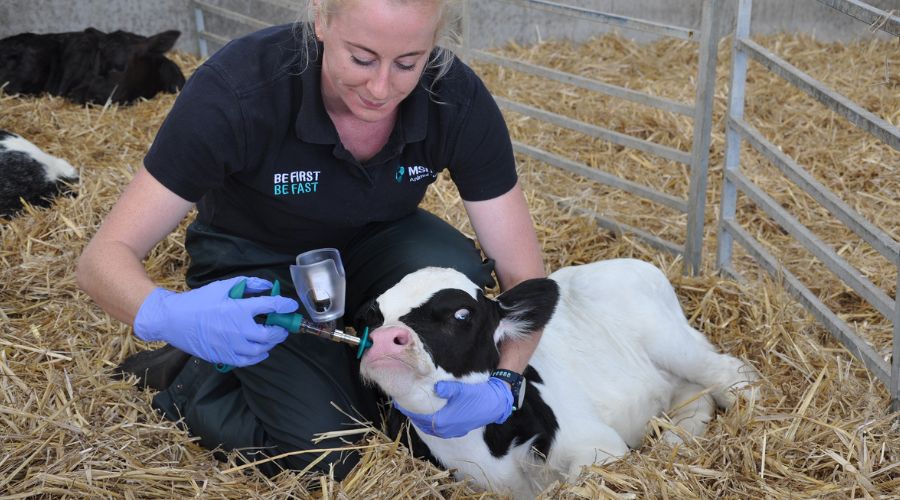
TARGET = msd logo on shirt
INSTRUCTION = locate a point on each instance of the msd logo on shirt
(414, 173)
(296, 182)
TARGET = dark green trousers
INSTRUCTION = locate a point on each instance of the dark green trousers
(308, 385)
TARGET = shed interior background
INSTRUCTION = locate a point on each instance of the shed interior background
(498, 21)
(822, 427)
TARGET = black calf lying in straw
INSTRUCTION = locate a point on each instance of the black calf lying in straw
(90, 65)
(615, 352)
(29, 174)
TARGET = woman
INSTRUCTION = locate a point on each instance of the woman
(288, 143)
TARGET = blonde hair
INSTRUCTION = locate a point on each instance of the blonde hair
(446, 35)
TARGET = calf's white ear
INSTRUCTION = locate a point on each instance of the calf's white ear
(525, 308)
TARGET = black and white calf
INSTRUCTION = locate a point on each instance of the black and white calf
(28, 173)
(615, 352)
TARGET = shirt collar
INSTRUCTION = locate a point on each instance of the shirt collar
(313, 125)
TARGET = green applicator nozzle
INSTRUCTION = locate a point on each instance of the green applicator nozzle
(364, 343)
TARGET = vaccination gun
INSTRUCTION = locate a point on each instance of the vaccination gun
(319, 279)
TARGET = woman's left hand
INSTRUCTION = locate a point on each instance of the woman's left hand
(469, 406)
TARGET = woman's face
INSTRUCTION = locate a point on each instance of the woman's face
(374, 54)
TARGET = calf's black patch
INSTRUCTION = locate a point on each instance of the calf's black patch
(534, 420)
(458, 345)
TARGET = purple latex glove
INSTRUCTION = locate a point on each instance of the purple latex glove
(209, 324)
(469, 406)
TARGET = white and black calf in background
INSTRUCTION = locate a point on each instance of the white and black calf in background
(27, 173)
(90, 66)
(616, 351)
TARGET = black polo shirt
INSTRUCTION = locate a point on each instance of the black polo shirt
(249, 140)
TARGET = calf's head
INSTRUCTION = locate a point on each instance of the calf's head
(138, 65)
(435, 324)
(119, 66)
(27, 63)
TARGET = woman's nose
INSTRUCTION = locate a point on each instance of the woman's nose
(379, 84)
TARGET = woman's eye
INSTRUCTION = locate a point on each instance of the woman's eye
(361, 62)
(462, 314)
(406, 67)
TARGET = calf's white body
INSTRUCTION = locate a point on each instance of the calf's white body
(616, 351)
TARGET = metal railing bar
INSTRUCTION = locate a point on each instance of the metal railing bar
(880, 240)
(817, 90)
(620, 228)
(284, 4)
(894, 387)
(729, 272)
(214, 37)
(585, 83)
(602, 177)
(862, 11)
(847, 273)
(631, 23)
(233, 16)
(857, 346)
(595, 131)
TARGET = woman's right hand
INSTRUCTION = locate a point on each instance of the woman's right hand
(207, 323)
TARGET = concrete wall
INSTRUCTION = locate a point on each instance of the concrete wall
(145, 17)
(139, 16)
(495, 21)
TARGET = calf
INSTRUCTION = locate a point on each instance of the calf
(29, 174)
(90, 65)
(616, 351)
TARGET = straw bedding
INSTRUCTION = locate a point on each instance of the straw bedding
(821, 427)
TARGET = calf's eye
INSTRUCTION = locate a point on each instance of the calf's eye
(462, 314)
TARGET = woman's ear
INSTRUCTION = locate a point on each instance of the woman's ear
(318, 20)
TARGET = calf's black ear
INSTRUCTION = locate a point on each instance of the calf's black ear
(367, 315)
(527, 306)
(161, 43)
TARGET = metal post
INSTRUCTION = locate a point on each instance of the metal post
(201, 33)
(732, 138)
(703, 105)
(894, 386)
(466, 23)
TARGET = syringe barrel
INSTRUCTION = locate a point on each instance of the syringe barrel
(324, 330)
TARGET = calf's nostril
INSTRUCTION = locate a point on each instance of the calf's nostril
(401, 338)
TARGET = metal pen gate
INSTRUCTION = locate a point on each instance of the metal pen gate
(224, 12)
(739, 131)
(700, 111)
